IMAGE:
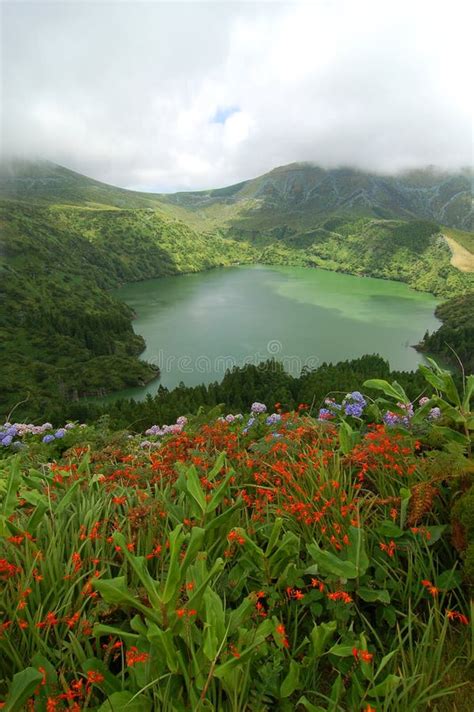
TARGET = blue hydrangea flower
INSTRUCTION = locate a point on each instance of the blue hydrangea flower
(60, 433)
(48, 438)
(7, 439)
(325, 414)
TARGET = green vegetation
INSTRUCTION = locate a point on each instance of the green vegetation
(298, 560)
(454, 340)
(63, 334)
(267, 382)
(67, 240)
(411, 252)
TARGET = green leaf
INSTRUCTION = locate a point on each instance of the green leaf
(163, 641)
(452, 435)
(342, 651)
(219, 493)
(23, 685)
(69, 496)
(370, 595)
(275, 533)
(126, 702)
(10, 501)
(194, 488)
(389, 529)
(100, 629)
(214, 624)
(346, 437)
(173, 578)
(435, 532)
(329, 563)
(320, 637)
(393, 390)
(469, 390)
(291, 681)
(356, 551)
(390, 683)
(448, 580)
(309, 707)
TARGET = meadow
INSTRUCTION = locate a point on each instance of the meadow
(316, 560)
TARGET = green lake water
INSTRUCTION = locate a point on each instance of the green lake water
(196, 326)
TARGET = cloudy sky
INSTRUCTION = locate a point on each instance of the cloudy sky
(166, 96)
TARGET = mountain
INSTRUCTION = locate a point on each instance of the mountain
(68, 239)
(303, 195)
(297, 196)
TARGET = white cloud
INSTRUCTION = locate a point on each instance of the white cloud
(127, 92)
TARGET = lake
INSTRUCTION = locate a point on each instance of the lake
(198, 325)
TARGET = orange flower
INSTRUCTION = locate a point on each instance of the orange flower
(94, 677)
(455, 615)
(340, 596)
(433, 590)
(134, 656)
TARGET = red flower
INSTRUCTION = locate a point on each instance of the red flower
(134, 656)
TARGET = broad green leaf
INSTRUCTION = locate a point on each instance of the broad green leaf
(389, 529)
(321, 636)
(448, 580)
(100, 630)
(214, 624)
(390, 683)
(393, 390)
(309, 707)
(435, 533)
(126, 702)
(466, 404)
(452, 435)
(115, 591)
(291, 681)
(163, 641)
(173, 579)
(22, 687)
(275, 533)
(10, 501)
(195, 489)
(219, 493)
(356, 551)
(342, 651)
(329, 563)
(346, 437)
(370, 595)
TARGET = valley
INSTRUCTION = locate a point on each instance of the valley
(69, 241)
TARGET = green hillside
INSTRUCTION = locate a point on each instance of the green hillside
(63, 334)
(68, 239)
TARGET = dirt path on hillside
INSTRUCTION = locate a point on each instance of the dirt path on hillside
(461, 258)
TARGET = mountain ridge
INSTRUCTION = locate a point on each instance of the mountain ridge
(298, 192)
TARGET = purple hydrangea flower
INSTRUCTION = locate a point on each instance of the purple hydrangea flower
(273, 419)
(354, 409)
(60, 433)
(258, 408)
(325, 414)
(434, 413)
(48, 438)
